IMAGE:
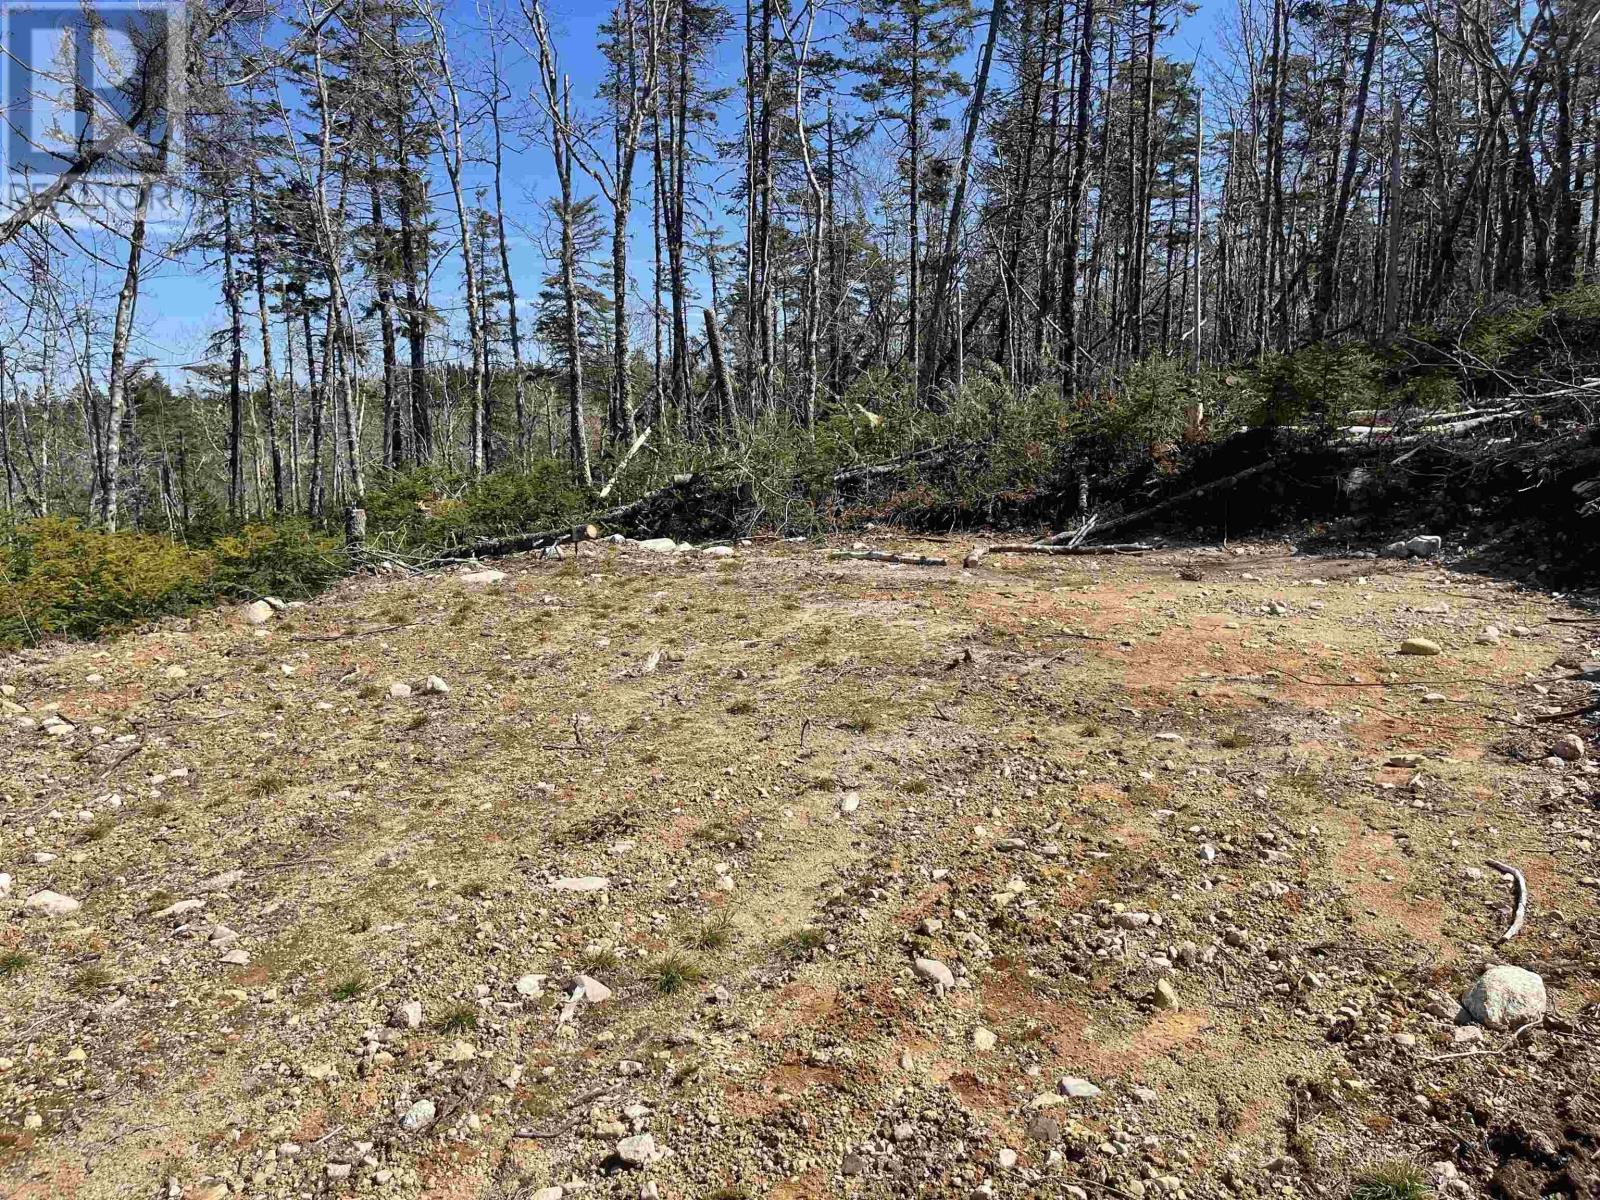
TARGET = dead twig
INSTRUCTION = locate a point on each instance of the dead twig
(1519, 911)
(118, 761)
(348, 633)
(1510, 1042)
(1584, 711)
(883, 556)
(1129, 548)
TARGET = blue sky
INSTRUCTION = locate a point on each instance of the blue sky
(180, 308)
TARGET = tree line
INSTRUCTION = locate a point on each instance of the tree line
(756, 215)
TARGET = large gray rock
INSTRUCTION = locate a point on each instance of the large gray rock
(51, 904)
(935, 972)
(1505, 998)
(659, 545)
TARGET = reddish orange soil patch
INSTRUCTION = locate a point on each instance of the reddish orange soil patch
(797, 1006)
(779, 1086)
(1381, 904)
(812, 1184)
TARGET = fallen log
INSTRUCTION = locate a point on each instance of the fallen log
(1194, 493)
(1050, 548)
(883, 556)
(588, 530)
(892, 466)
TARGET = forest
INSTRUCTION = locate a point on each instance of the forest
(1005, 255)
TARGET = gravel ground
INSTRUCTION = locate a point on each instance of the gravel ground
(773, 874)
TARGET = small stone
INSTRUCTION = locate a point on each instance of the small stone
(531, 986)
(1489, 637)
(549, 1193)
(51, 904)
(407, 1015)
(849, 802)
(638, 1150)
(659, 545)
(5, 885)
(1419, 646)
(337, 1170)
(591, 989)
(1570, 747)
(1006, 1159)
(935, 972)
(852, 1165)
(479, 578)
(399, 691)
(1505, 997)
(1165, 996)
(983, 1039)
(419, 1116)
(237, 958)
(585, 883)
(434, 686)
(1074, 1088)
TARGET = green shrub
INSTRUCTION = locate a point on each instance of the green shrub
(287, 558)
(1321, 384)
(58, 579)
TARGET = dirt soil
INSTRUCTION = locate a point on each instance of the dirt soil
(742, 796)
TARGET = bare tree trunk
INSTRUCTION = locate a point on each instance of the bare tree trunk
(117, 384)
(945, 278)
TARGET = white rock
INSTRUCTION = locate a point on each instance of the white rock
(849, 802)
(258, 612)
(399, 691)
(51, 904)
(1075, 1088)
(237, 958)
(582, 883)
(434, 686)
(638, 1150)
(1425, 545)
(659, 545)
(407, 1015)
(935, 972)
(983, 1039)
(482, 577)
(718, 551)
(222, 882)
(5, 885)
(591, 989)
(549, 1193)
(531, 986)
(419, 1116)
(1505, 998)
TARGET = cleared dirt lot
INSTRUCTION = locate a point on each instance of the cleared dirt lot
(1067, 781)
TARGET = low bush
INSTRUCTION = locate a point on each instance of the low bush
(61, 580)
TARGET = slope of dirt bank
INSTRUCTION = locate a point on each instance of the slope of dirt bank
(329, 926)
